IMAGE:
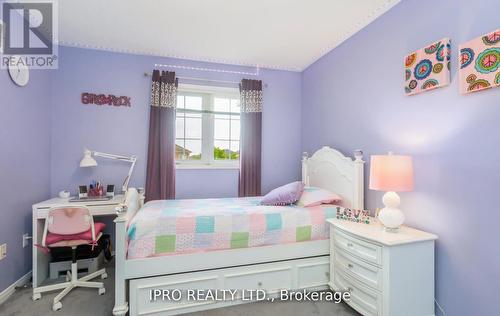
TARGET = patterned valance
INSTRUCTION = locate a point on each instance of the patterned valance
(164, 89)
(251, 95)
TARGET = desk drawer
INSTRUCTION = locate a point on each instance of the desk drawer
(363, 299)
(364, 272)
(357, 247)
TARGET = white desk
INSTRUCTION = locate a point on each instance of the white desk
(40, 211)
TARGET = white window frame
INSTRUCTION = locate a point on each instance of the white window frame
(207, 143)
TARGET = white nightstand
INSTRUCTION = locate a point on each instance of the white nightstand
(389, 274)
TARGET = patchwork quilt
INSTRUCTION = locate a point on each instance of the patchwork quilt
(170, 227)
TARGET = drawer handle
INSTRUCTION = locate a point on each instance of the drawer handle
(259, 284)
(350, 245)
(350, 266)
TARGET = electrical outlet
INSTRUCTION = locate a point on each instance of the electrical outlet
(3, 251)
(26, 238)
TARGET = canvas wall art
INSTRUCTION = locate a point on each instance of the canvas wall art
(479, 62)
(428, 68)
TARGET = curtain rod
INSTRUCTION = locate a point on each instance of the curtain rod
(147, 74)
(211, 69)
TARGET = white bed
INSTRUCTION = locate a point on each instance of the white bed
(293, 266)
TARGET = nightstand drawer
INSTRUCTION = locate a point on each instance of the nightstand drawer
(363, 299)
(364, 272)
(362, 249)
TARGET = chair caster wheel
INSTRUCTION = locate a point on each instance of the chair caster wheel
(104, 276)
(57, 306)
(37, 296)
(102, 291)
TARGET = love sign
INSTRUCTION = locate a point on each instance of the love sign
(102, 99)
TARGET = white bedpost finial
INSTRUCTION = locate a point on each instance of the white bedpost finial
(305, 178)
(359, 176)
(358, 155)
(305, 155)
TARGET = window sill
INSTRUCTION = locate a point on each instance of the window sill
(212, 166)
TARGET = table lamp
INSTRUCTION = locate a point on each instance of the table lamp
(89, 161)
(391, 173)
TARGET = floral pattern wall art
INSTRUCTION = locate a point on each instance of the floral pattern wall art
(428, 68)
(479, 62)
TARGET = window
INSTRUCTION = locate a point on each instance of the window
(207, 127)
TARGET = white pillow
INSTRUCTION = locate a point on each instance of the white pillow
(313, 196)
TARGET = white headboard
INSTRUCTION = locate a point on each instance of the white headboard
(329, 169)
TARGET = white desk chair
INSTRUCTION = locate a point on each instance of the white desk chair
(71, 226)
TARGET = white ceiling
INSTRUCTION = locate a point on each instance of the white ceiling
(281, 34)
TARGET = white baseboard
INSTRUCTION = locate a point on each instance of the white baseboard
(5, 294)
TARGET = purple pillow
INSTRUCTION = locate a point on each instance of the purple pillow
(284, 195)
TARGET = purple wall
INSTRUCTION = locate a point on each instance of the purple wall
(353, 98)
(24, 165)
(124, 130)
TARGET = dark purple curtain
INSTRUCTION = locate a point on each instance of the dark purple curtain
(251, 137)
(160, 175)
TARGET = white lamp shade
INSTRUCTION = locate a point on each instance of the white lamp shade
(87, 160)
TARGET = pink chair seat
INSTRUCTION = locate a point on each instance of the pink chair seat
(85, 238)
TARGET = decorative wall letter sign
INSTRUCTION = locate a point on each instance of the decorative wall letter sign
(479, 62)
(102, 99)
(428, 68)
(353, 215)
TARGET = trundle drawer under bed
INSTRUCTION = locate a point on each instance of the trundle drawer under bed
(310, 273)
